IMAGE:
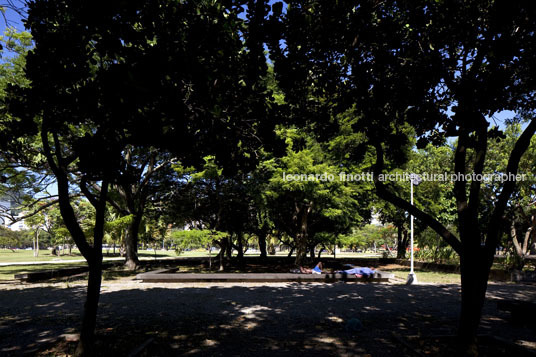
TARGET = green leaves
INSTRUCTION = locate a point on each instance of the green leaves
(195, 238)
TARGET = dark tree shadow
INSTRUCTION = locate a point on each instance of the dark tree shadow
(299, 319)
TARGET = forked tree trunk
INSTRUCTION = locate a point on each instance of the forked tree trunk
(521, 249)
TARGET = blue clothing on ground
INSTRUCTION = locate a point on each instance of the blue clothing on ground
(317, 269)
(359, 271)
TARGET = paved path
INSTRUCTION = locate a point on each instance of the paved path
(247, 319)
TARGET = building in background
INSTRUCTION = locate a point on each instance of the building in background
(9, 213)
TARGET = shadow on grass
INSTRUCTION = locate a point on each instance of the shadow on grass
(8, 272)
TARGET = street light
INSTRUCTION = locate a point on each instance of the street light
(412, 278)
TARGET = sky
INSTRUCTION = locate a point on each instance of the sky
(12, 17)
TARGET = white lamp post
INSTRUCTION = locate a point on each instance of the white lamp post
(412, 278)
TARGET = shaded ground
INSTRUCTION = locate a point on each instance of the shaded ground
(245, 319)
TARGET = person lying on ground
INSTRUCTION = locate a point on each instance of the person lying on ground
(316, 270)
(358, 272)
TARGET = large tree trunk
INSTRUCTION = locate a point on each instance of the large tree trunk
(228, 248)
(401, 243)
(302, 237)
(86, 344)
(475, 266)
(262, 245)
(221, 254)
(240, 246)
(131, 243)
(301, 247)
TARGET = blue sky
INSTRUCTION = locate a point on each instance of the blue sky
(13, 19)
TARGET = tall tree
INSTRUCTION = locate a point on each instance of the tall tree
(144, 173)
(146, 74)
(307, 196)
(441, 68)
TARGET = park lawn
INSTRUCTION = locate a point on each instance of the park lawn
(427, 276)
(160, 253)
(45, 255)
(21, 255)
(8, 272)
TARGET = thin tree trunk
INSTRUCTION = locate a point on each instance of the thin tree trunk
(36, 249)
(290, 252)
(210, 257)
(319, 251)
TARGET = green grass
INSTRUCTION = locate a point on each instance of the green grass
(7, 273)
(150, 253)
(426, 276)
(45, 255)
(8, 256)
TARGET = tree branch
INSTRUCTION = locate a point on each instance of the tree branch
(66, 209)
(520, 147)
(384, 193)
